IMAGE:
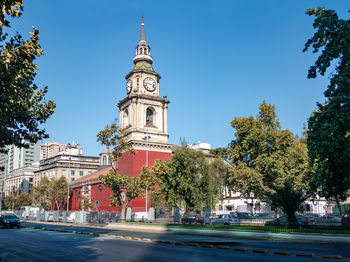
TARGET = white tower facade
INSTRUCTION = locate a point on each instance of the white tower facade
(143, 112)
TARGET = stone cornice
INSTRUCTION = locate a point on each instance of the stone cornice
(142, 96)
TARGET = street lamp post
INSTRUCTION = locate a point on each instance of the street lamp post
(68, 178)
(147, 137)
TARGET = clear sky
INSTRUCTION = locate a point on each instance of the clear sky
(218, 60)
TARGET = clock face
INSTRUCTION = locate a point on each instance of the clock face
(149, 84)
(128, 86)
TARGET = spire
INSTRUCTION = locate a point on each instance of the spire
(142, 48)
(143, 38)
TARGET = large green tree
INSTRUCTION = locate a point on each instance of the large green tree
(328, 135)
(23, 106)
(191, 179)
(264, 156)
(50, 193)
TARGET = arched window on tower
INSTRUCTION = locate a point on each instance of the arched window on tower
(140, 51)
(150, 116)
(104, 161)
(126, 118)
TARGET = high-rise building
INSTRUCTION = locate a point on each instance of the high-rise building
(21, 157)
(50, 149)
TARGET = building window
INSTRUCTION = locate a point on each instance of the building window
(104, 160)
(64, 172)
(72, 179)
(100, 188)
(81, 173)
(72, 172)
(97, 203)
(30, 180)
(126, 118)
(149, 117)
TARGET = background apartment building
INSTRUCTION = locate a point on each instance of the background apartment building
(21, 179)
(70, 166)
(50, 149)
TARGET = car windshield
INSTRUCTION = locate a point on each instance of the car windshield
(9, 216)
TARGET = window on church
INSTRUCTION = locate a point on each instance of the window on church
(104, 160)
(149, 117)
(126, 117)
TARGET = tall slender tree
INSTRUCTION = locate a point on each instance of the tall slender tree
(328, 135)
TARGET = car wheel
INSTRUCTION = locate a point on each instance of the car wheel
(19, 226)
(226, 224)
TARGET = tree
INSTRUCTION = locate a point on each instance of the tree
(23, 106)
(41, 194)
(16, 200)
(328, 135)
(50, 194)
(188, 180)
(125, 188)
(58, 192)
(263, 157)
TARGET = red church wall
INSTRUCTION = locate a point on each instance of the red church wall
(128, 164)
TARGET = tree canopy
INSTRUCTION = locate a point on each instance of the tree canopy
(328, 134)
(50, 193)
(191, 179)
(263, 157)
(23, 106)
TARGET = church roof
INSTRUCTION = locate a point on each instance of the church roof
(91, 178)
(143, 65)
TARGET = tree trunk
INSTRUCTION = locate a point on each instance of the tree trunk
(292, 221)
(339, 206)
(123, 213)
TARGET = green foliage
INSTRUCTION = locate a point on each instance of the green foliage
(41, 195)
(289, 199)
(189, 180)
(58, 191)
(23, 106)
(328, 135)
(264, 157)
(50, 194)
(16, 200)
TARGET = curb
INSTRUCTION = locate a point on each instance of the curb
(337, 257)
(282, 253)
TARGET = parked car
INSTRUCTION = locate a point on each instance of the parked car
(282, 221)
(192, 219)
(224, 219)
(263, 216)
(243, 215)
(9, 220)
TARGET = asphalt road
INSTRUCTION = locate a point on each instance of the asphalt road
(28, 244)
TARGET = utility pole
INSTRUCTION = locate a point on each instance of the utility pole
(147, 137)
(68, 178)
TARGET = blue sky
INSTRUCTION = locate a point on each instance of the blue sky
(217, 59)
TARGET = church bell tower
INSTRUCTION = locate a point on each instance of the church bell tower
(143, 112)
